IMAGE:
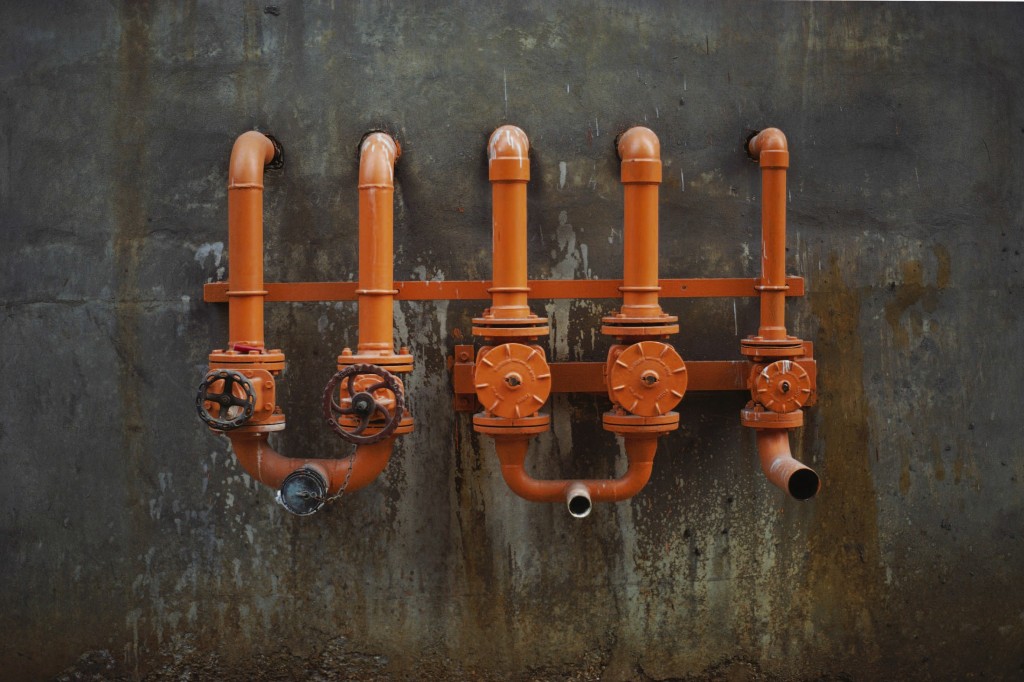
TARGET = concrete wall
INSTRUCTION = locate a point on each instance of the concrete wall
(133, 545)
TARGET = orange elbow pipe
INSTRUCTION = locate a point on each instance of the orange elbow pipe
(770, 147)
(577, 494)
(508, 153)
(378, 154)
(250, 155)
(640, 154)
(800, 481)
(269, 467)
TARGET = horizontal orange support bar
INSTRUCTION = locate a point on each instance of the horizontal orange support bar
(588, 377)
(468, 290)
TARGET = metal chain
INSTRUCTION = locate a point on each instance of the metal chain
(348, 477)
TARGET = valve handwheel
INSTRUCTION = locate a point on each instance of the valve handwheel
(363, 402)
(231, 394)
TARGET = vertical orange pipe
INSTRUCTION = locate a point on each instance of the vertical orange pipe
(769, 146)
(509, 171)
(376, 292)
(251, 153)
(640, 152)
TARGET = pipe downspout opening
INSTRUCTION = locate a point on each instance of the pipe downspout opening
(577, 500)
(804, 484)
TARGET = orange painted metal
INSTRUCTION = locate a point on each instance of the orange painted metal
(512, 380)
(587, 377)
(266, 465)
(641, 315)
(647, 378)
(251, 153)
(512, 449)
(781, 388)
(778, 464)
(475, 290)
(770, 148)
(246, 294)
(509, 316)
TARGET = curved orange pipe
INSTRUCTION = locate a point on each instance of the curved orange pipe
(800, 481)
(377, 157)
(640, 152)
(269, 467)
(252, 151)
(250, 155)
(508, 151)
(770, 147)
(511, 451)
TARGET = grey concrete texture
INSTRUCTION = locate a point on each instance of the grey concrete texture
(133, 546)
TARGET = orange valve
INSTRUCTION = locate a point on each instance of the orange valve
(230, 394)
(365, 398)
(512, 380)
(782, 386)
(647, 378)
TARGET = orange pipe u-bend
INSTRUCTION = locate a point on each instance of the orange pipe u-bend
(640, 451)
(770, 148)
(251, 153)
(778, 464)
(269, 467)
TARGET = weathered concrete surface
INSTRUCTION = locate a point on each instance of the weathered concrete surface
(133, 545)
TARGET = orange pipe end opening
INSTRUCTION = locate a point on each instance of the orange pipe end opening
(783, 471)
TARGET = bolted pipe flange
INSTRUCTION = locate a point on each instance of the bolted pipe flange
(647, 378)
(512, 380)
(781, 386)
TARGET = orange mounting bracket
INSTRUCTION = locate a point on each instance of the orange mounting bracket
(364, 401)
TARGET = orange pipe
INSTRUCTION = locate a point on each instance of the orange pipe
(509, 171)
(640, 153)
(269, 467)
(511, 452)
(770, 148)
(378, 153)
(250, 155)
(800, 481)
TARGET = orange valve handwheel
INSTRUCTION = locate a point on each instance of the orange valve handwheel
(365, 395)
(782, 386)
(231, 394)
(647, 378)
(512, 380)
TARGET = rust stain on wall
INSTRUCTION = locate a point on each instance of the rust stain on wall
(913, 290)
(845, 574)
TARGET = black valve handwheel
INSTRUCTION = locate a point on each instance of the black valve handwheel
(236, 391)
(363, 406)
